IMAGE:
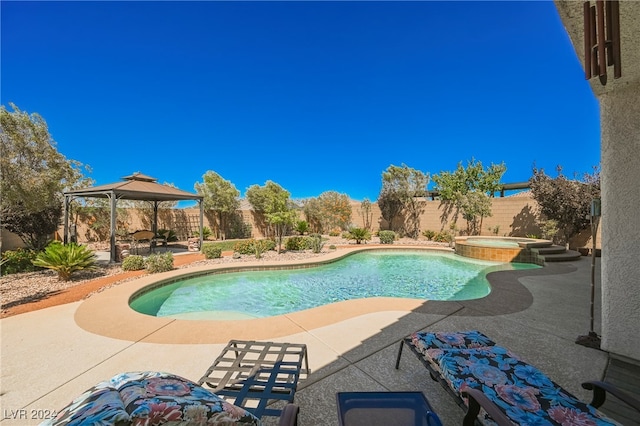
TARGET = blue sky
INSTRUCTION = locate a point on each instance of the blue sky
(315, 96)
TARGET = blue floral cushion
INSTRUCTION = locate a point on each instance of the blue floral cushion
(443, 340)
(524, 393)
(151, 398)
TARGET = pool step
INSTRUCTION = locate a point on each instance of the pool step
(552, 249)
(566, 256)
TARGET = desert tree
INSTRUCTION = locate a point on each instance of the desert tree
(329, 210)
(220, 196)
(365, 212)
(566, 201)
(467, 191)
(402, 190)
(274, 202)
(34, 176)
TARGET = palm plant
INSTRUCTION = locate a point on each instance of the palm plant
(358, 234)
(66, 259)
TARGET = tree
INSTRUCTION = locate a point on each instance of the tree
(401, 188)
(220, 196)
(390, 205)
(330, 210)
(274, 203)
(467, 191)
(367, 215)
(566, 201)
(34, 177)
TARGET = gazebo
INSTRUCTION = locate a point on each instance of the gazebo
(135, 187)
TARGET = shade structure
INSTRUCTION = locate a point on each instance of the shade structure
(138, 187)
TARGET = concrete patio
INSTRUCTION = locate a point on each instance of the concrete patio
(48, 359)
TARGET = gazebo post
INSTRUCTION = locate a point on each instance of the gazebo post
(112, 238)
(200, 202)
(154, 227)
(65, 238)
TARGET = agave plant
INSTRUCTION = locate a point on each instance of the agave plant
(66, 259)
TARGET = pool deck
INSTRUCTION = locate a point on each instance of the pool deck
(51, 355)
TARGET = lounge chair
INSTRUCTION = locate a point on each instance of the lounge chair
(497, 387)
(156, 398)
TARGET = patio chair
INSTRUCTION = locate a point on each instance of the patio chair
(140, 237)
(162, 238)
(254, 375)
(495, 386)
(156, 397)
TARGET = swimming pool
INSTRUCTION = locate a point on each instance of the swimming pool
(258, 294)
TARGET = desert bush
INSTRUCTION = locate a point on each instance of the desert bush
(245, 246)
(249, 246)
(429, 234)
(316, 243)
(133, 263)
(65, 259)
(302, 226)
(260, 246)
(211, 251)
(387, 237)
(332, 247)
(550, 229)
(334, 232)
(296, 243)
(159, 262)
(359, 235)
(16, 261)
(442, 237)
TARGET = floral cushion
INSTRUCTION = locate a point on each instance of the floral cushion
(151, 398)
(521, 391)
(461, 339)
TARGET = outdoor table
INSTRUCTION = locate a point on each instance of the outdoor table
(385, 408)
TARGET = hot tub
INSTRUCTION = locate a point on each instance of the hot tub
(500, 249)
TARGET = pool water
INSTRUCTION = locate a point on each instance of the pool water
(489, 242)
(257, 294)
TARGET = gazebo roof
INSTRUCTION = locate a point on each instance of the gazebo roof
(136, 187)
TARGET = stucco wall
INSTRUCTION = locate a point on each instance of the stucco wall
(620, 112)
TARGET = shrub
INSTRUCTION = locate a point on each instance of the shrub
(206, 233)
(211, 251)
(296, 243)
(159, 262)
(316, 243)
(15, 261)
(245, 246)
(334, 233)
(249, 246)
(358, 234)
(260, 246)
(443, 237)
(302, 226)
(172, 237)
(387, 237)
(428, 234)
(65, 259)
(549, 229)
(133, 263)
(332, 247)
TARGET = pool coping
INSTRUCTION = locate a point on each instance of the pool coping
(108, 313)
